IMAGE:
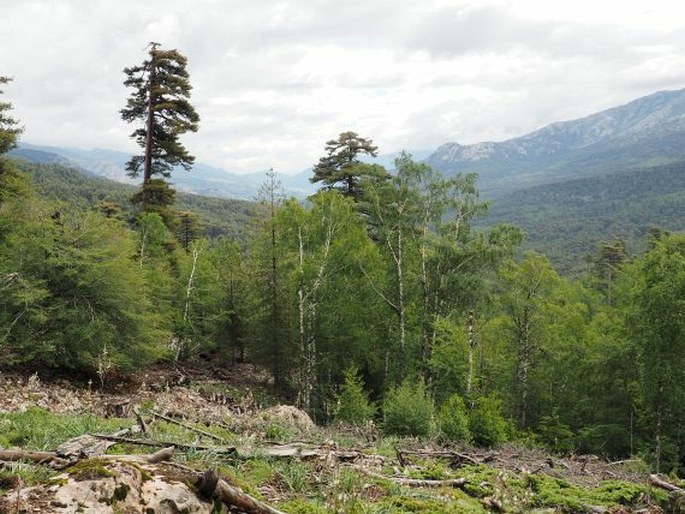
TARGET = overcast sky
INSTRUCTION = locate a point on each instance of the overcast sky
(273, 80)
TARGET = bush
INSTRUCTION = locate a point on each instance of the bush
(454, 421)
(488, 426)
(408, 410)
(556, 435)
(353, 403)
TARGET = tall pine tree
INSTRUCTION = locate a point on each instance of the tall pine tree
(159, 102)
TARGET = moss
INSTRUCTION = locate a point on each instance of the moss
(90, 469)
(120, 492)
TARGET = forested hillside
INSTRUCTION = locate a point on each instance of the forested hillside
(216, 216)
(568, 220)
(393, 308)
(379, 299)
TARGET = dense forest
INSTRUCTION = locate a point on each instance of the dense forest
(566, 219)
(377, 299)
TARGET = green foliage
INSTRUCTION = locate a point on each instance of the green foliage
(408, 410)
(71, 290)
(40, 429)
(341, 168)
(159, 101)
(555, 434)
(486, 423)
(565, 220)
(453, 419)
(9, 130)
(353, 404)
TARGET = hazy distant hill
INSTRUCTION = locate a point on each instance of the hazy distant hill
(566, 220)
(203, 179)
(648, 131)
(221, 216)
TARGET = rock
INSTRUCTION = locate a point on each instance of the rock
(107, 488)
(289, 416)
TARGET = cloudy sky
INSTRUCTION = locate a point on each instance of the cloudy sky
(273, 80)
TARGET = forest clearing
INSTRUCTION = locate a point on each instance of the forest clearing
(152, 449)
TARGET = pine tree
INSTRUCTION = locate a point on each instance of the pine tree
(342, 166)
(159, 101)
(9, 131)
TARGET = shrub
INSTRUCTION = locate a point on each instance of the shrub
(488, 426)
(353, 403)
(408, 410)
(556, 435)
(453, 419)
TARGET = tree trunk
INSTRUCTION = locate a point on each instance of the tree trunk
(147, 166)
(471, 357)
(524, 363)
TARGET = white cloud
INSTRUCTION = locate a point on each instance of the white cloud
(273, 80)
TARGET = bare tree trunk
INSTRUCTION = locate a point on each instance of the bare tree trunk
(147, 166)
(523, 372)
(196, 253)
(472, 360)
(426, 347)
(657, 430)
(402, 313)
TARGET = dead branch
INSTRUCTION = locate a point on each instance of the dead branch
(415, 482)
(37, 457)
(188, 427)
(139, 418)
(57, 462)
(150, 458)
(658, 482)
(456, 457)
(211, 485)
(152, 442)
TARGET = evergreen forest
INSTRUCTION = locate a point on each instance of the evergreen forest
(382, 298)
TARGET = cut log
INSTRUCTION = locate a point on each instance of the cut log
(658, 482)
(146, 458)
(151, 442)
(37, 457)
(210, 485)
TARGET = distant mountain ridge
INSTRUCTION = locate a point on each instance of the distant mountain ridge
(203, 179)
(649, 130)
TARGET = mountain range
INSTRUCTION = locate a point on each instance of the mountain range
(647, 131)
(203, 179)
(614, 174)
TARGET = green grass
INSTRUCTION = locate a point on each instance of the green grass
(39, 430)
(320, 486)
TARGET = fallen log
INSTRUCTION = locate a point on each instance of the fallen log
(181, 446)
(415, 482)
(33, 456)
(658, 482)
(210, 485)
(456, 457)
(298, 451)
(56, 461)
(145, 458)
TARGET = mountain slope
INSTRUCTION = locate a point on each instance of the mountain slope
(203, 179)
(221, 216)
(566, 220)
(647, 131)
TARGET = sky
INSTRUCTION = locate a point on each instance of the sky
(274, 80)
